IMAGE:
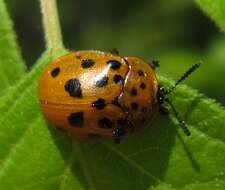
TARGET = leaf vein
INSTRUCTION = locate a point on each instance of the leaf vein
(132, 163)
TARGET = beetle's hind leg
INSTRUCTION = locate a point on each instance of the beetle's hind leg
(119, 134)
(163, 110)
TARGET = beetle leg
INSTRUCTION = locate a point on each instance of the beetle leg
(114, 51)
(163, 110)
(119, 134)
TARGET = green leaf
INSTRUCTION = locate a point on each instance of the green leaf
(215, 9)
(12, 66)
(35, 156)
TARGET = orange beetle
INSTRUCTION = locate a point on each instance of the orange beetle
(94, 94)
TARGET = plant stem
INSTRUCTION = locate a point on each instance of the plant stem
(52, 30)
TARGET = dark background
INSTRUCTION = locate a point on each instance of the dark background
(175, 32)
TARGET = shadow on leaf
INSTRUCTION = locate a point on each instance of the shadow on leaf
(138, 162)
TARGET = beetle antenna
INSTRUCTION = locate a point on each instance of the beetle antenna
(181, 122)
(184, 76)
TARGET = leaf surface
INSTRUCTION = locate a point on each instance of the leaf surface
(12, 66)
(214, 9)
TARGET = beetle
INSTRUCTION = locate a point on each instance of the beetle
(103, 95)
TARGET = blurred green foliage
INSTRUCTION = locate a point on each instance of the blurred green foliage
(175, 32)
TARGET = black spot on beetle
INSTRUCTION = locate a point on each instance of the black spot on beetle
(86, 63)
(99, 104)
(143, 86)
(134, 106)
(114, 64)
(73, 87)
(55, 72)
(133, 92)
(105, 123)
(76, 119)
(118, 79)
(102, 82)
(140, 73)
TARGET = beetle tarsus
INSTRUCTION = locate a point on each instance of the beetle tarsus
(119, 134)
(114, 51)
